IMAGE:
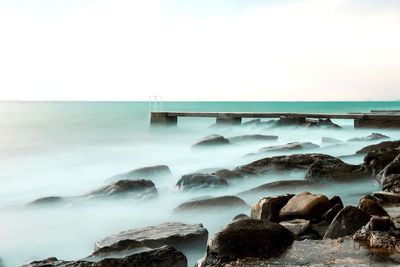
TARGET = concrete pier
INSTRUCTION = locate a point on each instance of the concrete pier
(374, 119)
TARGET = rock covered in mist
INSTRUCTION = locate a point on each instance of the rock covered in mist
(211, 140)
(341, 172)
(145, 172)
(268, 208)
(289, 147)
(371, 137)
(47, 201)
(196, 181)
(347, 222)
(161, 257)
(279, 185)
(240, 217)
(225, 202)
(228, 174)
(389, 176)
(247, 239)
(381, 146)
(134, 188)
(178, 235)
(252, 137)
(377, 160)
(387, 196)
(331, 141)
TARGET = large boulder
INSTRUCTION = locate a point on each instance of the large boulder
(225, 202)
(134, 188)
(347, 222)
(380, 146)
(178, 235)
(371, 207)
(268, 208)
(145, 172)
(196, 181)
(211, 140)
(161, 257)
(341, 172)
(371, 137)
(252, 138)
(288, 147)
(306, 206)
(287, 163)
(377, 160)
(247, 238)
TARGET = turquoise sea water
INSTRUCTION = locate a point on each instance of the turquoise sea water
(69, 148)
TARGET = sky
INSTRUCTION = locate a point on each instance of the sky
(246, 50)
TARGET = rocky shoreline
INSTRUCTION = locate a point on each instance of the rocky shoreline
(297, 228)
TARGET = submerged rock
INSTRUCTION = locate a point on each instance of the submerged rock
(306, 206)
(211, 140)
(160, 257)
(252, 137)
(240, 217)
(381, 146)
(371, 137)
(196, 181)
(268, 208)
(145, 172)
(347, 222)
(178, 235)
(247, 238)
(389, 176)
(279, 185)
(135, 188)
(331, 141)
(341, 172)
(47, 201)
(228, 174)
(288, 147)
(225, 202)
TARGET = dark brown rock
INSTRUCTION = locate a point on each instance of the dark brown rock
(240, 217)
(380, 223)
(341, 172)
(229, 175)
(319, 228)
(377, 160)
(371, 207)
(347, 222)
(225, 202)
(387, 197)
(371, 137)
(380, 146)
(135, 188)
(306, 206)
(196, 181)
(332, 212)
(268, 208)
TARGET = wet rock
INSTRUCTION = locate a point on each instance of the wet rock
(178, 235)
(268, 208)
(251, 122)
(319, 228)
(341, 172)
(229, 175)
(377, 160)
(133, 188)
(240, 217)
(330, 214)
(380, 223)
(387, 241)
(387, 197)
(371, 207)
(47, 201)
(145, 172)
(347, 222)
(335, 200)
(211, 140)
(284, 121)
(287, 163)
(371, 137)
(126, 246)
(381, 146)
(279, 185)
(161, 257)
(306, 206)
(224, 202)
(331, 141)
(252, 137)
(296, 226)
(247, 238)
(390, 175)
(196, 181)
(288, 147)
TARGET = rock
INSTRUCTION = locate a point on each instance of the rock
(284, 121)
(211, 140)
(178, 235)
(287, 163)
(268, 208)
(386, 241)
(387, 197)
(228, 175)
(336, 200)
(196, 181)
(371, 207)
(319, 228)
(377, 160)
(161, 257)
(331, 141)
(126, 246)
(389, 176)
(306, 206)
(332, 212)
(145, 172)
(380, 223)
(371, 137)
(278, 185)
(251, 122)
(288, 147)
(391, 183)
(247, 238)
(347, 222)
(240, 217)
(47, 201)
(341, 172)
(225, 202)
(381, 146)
(252, 137)
(296, 226)
(133, 188)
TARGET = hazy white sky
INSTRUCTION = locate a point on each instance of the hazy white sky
(200, 49)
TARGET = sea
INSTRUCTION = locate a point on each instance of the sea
(70, 148)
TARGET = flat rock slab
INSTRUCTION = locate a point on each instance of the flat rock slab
(288, 147)
(211, 140)
(226, 202)
(171, 233)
